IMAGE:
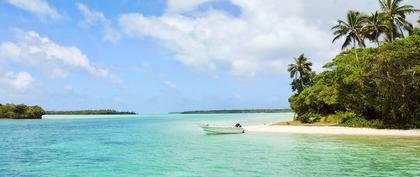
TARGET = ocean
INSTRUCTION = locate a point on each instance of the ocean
(174, 145)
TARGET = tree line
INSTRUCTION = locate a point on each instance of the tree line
(365, 87)
(89, 112)
(237, 111)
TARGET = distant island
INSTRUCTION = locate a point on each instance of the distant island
(89, 112)
(20, 111)
(234, 111)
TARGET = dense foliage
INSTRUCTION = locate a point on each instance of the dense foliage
(374, 87)
(20, 111)
(89, 112)
(379, 89)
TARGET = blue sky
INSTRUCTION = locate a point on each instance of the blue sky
(157, 56)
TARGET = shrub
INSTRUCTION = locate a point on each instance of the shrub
(332, 118)
(361, 122)
(309, 118)
(343, 117)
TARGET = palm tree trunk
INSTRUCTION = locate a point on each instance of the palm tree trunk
(391, 31)
(301, 81)
(355, 51)
(402, 33)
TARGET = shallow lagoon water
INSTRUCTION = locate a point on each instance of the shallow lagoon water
(173, 145)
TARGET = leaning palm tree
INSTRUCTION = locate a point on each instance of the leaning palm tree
(395, 14)
(375, 27)
(352, 30)
(301, 72)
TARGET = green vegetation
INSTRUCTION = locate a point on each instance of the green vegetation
(301, 73)
(237, 111)
(299, 123)
(395, 18)
(20, 111)
(352, 30)
(367, 87)
(89, 112)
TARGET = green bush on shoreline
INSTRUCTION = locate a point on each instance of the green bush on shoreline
(381, 87)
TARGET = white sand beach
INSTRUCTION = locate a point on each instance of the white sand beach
(332, 130)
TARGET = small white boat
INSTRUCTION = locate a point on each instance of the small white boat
(222, 130)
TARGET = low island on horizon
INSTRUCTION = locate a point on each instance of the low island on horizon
(90, 112)
(233, 111)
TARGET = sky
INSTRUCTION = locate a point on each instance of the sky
(158, 56)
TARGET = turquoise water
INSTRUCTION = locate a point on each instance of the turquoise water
(173, 145)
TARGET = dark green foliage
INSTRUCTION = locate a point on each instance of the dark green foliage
(351, 29)
(376, 26)
(395, 18)
(301, 73)
(20, 111)
(382, 87)
(309, 118)
(361, 122)
(89, 112)
(346, 116)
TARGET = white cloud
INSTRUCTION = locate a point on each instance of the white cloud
(40, 8)
(169, 84)
(92, 18)
(11, 82)
(57, 61)
(264, 38)
(176, 6)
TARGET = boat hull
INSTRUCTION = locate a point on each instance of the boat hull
(223, 130)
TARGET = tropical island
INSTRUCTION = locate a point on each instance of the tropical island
(376, 87)
(20, 111)
(233, 111)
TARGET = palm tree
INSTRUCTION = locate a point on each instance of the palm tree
(301, 73)
(395, 13)
(375, 27)
(352, 30)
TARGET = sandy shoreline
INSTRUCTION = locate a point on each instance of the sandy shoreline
(329, 130)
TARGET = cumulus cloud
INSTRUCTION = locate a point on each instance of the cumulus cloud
(92, 18)
(262, 39)
(40, 8)
(17, 83)
(34, 50)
